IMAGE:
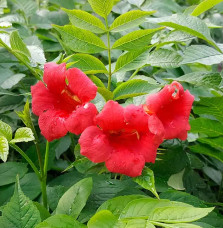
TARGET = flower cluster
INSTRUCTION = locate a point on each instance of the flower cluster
(125, 138)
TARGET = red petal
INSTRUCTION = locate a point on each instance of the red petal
(111, 117)
(136, 118)
(172, 106)
(42, 98)
(149, 144)
(81, 85)
(156, 126)
(124, 162)
(95, 145)
(51, 124)
(54, 76)
(81, 118)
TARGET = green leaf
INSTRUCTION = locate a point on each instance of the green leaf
(23, 134)
(209, 79)
(84, 20)
(207, 150)
(25, 116)
(9, 170)
(211, 106)
(147, 181)
(80, 40)
(142, 208)
(11, 81)
(202, 54)
(214, 142)
(88, 64)
(59, 221)
(17, 44)
(4, 148)
(5, 130)
(75, 198)
(176, 181)
(107, 95)
(133, 88)
(179, 214)
(177, 225)
(129, 20)
(191, 25)
(117, 204)
(209, 127)
(135, 40)
(97, 81)
(164, 58)
(132, 60)
(102, 219)
(204, 6)
(44, 213)
(102, 7)
(20, 212)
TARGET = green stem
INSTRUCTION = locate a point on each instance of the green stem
(109, 56)
(44, 175)
(135, 73)
(36, 75)
(27, 159)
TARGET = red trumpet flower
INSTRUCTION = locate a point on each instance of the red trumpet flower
(170, 107)
(62, 104)
(121, 139)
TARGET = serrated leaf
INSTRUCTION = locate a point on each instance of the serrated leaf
(209, 79)
(209, 127)
(17, 44)
(20, 212)
(88, 64)
(5, 130)
(4, 148)
(59, 221)
(129, 20)
(135, 40)
(147, 181)
(80, 40)
(179, 214)
(84, 20)
(164, 58)
(102, 7)
(133, 88)
(132, 60)
(102, 219)
(191, 25)
(204, 6)
(207, 150)
(75, 198)
(211, 106)
(202, 54)
(23, 134)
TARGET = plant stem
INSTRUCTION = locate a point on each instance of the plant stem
(109, 56)
(44, 175)
(36, 75)
(27, 159)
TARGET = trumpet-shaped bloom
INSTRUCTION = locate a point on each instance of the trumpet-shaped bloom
(62, 102)
(170, 108)
(121, 139)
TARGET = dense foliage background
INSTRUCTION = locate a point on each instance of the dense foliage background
(187, 48)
